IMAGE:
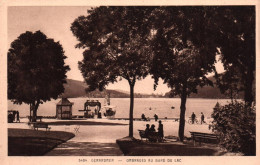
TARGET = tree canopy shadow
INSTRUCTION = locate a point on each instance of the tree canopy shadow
(137, 148)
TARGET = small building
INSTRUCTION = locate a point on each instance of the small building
(64, 109)
(92, 109)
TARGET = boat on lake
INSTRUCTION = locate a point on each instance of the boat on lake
(108, 110)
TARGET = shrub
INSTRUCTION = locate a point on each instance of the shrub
(235, 125)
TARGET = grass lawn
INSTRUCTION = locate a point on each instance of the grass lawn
(25, 142)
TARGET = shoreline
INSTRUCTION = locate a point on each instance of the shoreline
(160, 106)
(119, 128)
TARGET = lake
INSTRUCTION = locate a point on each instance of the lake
(148, 106)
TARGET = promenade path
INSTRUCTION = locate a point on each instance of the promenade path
(97, 137)
(90, 140)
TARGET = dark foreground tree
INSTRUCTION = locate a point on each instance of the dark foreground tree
(229, 83)
(229, 31)
(115, 43)
(184, 51)
(36, 70)
(235, 36)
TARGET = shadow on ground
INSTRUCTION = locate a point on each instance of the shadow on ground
(142, 148)
(72, 148)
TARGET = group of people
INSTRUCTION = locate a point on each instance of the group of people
(202, 117)
(12, 116)
(144, 118)
(152, 129)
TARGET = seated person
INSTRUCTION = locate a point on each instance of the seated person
(152, 134)
(152, 129)
(147, 130)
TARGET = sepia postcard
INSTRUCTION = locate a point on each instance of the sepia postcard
(129, 82)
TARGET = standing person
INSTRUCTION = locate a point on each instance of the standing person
(17, 117)
(202, 118)
(193, 116)
(155, 117)
(10, 118)
(143, 117)
(160, 130)
(14, 114)
(99, 115)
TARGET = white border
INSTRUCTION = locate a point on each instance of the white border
(4, 159)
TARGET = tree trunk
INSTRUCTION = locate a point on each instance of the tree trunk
(231, 95)
(182, 113)
(131, 127)
(30, 119)
(35, 106)
(34, 114)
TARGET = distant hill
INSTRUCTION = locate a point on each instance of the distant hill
(208, 92)
(205, 92)
(75, 88)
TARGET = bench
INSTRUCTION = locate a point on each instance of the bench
(203, 137)
(41, 125)
(142, 134)
(151, 136)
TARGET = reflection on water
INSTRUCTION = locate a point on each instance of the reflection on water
(163, 107)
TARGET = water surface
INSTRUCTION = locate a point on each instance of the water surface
(148, 106)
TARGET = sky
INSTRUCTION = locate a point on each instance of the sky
(55, 23)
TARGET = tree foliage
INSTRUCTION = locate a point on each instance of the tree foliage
(115, 43)
(235, 125)
(36, 69)
(178, 44)
(229, 83)
(200, 33)
(235, 36)
(183, 51)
